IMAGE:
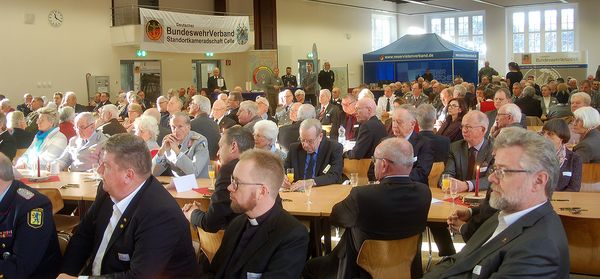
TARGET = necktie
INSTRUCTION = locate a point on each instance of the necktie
(322, 113)
(349, 127)
(308, 174)
(472, 161)
(387, 106)
(112, 223)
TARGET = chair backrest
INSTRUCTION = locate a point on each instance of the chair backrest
(20, 152)
(388, 258)
(533, 121)
(584, 249)
(590, 177)
(436, 172)
(210, 242)
(360, 166)
(55, 198)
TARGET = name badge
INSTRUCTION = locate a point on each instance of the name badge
(477, 270)
(483, 169)
(567, 173)
(326, 169)
(123, 257)
(252, 275)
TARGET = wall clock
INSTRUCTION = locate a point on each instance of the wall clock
(55, 18)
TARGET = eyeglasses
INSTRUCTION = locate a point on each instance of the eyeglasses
(236, 184)
(501, 172)
(373, 159)
(83, 128)
(469, 128)
(308, 141)
(453, 106)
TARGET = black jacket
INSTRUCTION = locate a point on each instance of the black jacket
(370, 134)
(8, 146)
(209, 129)
(329, 165)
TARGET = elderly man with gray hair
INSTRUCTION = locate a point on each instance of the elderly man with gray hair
(83, 150)
(528, 102)
(66, 125)
(289, 134)
(183, 151)
(248, 115)
(199, 109)
(108, 117)
(70, 99)
(509, 115)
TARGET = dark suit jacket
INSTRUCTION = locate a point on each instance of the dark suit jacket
(99, 105)
(492, 118)
(219, 213)
(277, 250)
(164, 119)
(587, 148)
(529, 106)
(212, 84)
(451, 129)
(535, 246)
(8, 146)
(331, 117)
(113, 127)
(570, 173)
(479, 215)
(458, 161)
(439, 144)
(233, 115)
(22, 138)
(368, 211)
(288, 134)
(329, 165)
(155, 237)
(226, 123)
(209, 129)
(370, 134)
(344, 122)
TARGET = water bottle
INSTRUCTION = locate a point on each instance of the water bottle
(341, 135)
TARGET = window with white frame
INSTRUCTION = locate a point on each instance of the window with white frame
(464, 29)
(545, 28)
(383, 30)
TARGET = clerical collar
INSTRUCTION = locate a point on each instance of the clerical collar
(261, 219)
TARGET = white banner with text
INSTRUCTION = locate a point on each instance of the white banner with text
(191, 33)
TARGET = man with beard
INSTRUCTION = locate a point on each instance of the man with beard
(525, 238)
(265, 240)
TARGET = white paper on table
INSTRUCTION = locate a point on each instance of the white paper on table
(349, 145)
(434, 200)
(185, 183)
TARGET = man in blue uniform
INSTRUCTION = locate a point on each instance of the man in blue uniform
(28, 241)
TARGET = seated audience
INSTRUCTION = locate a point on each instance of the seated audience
(263, 109)
(32, 117)
(276, 241)
(110, 124)
(301, 97)
(232, 144)
(367, 211)
(162, 131)
(508, 115)
(48, 143)
(66, 116)
(233, 105)
(457, 108)
(562, 108)
(586, 124)
(183, 151)
(265, 137)
(30, 245)
(25, 107)
(247, 115)
(328, 114)
(133, 112)
(557, 131)
(161, 105)
(83, 150)
(146, 127)
(289, 134)
(16, 126)
(199, 108)
(8, 146)
(152, 237)
(71, 100)
(282, 113)
(525, 237)
(219, 115)
(370, 131)
(316, 160)
(529, 105)
(440, 145)
(547, 101)
(348, 118)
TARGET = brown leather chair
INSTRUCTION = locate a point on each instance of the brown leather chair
(436, 172)
(584, 248)
(360, 166)
(388, 258)
(590, 177)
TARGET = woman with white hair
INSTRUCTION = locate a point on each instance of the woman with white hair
(586, 124)
(146, 127)
(66, 115)
(265, 137)
(48, 144)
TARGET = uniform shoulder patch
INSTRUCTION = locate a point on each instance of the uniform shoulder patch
(35, 218)
(26, 194)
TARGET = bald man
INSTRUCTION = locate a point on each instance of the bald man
(370, 131)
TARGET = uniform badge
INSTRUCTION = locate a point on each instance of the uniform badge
(35, 219)
(26, 194)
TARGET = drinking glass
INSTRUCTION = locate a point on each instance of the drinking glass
(95, 167)
(354, 179)
(446, 180)
(453, 194)
(211, 174)
(290, 174)
(307, 190)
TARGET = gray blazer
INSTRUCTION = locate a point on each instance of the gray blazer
(545, 109)
(535, 246)
(587, 148)
(458, 162)
(80, 156)
(192, 159)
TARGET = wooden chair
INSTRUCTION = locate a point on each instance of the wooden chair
(436, 172)
(360, 166)
(590, 177)
(19, 153)
(533, 121)
(388, 258)
(64, 223)
(210, 242)
(583, 235)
